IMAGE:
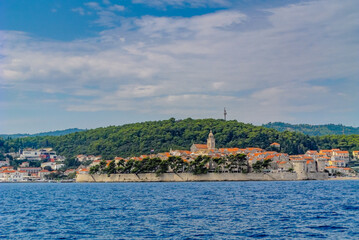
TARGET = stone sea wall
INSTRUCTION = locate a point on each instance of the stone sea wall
(189, 177)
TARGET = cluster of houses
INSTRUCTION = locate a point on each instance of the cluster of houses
(334, 161)
(47, 159)
(26, 174)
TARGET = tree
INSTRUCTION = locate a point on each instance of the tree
(111, 169)
(257, 166)
(266, 163)
(72, 163)
(102, 166)
(220, 162)
(162, 168)
(198, 166)
(71, 175)
(48, 168)
(94, 169)
(260, 165)
(235, 163)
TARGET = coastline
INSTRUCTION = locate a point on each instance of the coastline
(209, 177)
(343, 178)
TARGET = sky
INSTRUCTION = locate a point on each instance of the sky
(89, 64)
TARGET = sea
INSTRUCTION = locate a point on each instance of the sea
(187, 210)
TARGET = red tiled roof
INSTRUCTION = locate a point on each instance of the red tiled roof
(346, 152)
(201, 146)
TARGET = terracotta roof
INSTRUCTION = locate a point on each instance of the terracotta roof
(312, 152)
(183, 151)
(251, 149)
(201, 146)
(346, 152)
(229, 149)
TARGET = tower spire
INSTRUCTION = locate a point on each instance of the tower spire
(225, 114)
(211, 142)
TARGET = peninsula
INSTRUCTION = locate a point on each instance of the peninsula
(178, 150)
(205, 162)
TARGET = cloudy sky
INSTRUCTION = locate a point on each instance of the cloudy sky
(88, 64)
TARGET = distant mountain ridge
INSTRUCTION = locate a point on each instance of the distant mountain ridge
(314, 130)
(51, 133)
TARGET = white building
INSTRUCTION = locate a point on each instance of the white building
(37, 155)
(12, 176)
(339, 155)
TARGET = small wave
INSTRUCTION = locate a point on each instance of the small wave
(351, 207)
(259, 235)
(327, 227)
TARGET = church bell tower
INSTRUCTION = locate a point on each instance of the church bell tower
(211, 142)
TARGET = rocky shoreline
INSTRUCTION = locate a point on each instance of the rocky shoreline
(189, 177)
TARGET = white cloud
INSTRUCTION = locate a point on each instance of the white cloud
(196, 66)
(93, 5)
(79, 10)
(107, 14)
(117, 7)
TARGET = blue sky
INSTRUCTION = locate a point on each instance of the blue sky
(90, 64)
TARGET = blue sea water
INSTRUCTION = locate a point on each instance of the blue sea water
(190, 210)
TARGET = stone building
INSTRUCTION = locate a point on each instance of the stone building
(208, 148)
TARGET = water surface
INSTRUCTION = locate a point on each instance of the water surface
(190, 210)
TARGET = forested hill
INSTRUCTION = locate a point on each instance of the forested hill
(140, 138)
(52, 133)
(313, 130)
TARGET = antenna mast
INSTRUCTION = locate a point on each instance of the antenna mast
(225, 114)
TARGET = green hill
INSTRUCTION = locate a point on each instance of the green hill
(313, 130)
(141, 138)
(52, 133)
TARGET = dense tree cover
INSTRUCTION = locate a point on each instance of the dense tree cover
(260, 165)
(233, 163)
(140, 138)
(52, 133)
(313, 130)
(71, 163)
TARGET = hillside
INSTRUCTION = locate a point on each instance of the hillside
(313, 130)
(52, 133)
(141, 138)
